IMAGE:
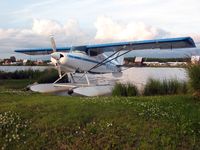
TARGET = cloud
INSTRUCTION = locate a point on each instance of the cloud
(196, 37)
(46, 27)
(72, 27)
(109, 30)
(131, 2)
(38, 36)
(40, 31)
(71, 33)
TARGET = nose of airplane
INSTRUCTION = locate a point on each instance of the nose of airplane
(57, 55)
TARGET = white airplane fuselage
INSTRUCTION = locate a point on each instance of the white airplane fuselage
(80, 61)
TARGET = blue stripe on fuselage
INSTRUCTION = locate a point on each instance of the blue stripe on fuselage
(81, 58)
(89, 60)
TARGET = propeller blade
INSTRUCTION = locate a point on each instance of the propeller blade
(53, 44)
(56, 56)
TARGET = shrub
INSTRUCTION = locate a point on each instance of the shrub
(119, 90)
(152, 87)
(131, 90)
(194, 78)
(156, 87)
(45, 76)
(124, 90)
(49, 76)
(21, 74)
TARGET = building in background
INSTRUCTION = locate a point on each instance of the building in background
(195, 59)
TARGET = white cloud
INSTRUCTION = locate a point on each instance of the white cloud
(71, 33)
(72, 28)
(46, 27)
(7, 33)
(38, 36)
(109, 30)
(131, 2)
(196, 37)
(42, 29)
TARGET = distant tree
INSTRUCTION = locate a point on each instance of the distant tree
(13, 59)
(30, 63)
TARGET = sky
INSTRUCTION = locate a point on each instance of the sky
(29, 23)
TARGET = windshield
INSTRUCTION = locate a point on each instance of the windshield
(79, 49)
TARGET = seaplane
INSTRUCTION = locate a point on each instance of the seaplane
(86, 65)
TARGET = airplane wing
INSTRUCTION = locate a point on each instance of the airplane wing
(184, 42)
(169, 43)
(42, 51)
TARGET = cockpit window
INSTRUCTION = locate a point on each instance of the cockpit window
(95, 52)
(85, 50)
(79, 49)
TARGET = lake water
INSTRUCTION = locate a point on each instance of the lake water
(14, 68)
(139, 76)
(136, 75)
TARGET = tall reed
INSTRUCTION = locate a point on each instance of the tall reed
(165, 87)
(194, 78)
(125, 90)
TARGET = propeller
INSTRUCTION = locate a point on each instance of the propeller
(55, 56)
(53, 43)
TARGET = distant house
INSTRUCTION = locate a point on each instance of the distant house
(139, 61)
(195, 59)
(38, 62)
(7, 62)
(25, 61)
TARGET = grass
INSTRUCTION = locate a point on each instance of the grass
(54, 122)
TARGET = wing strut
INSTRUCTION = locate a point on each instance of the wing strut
(105, 61)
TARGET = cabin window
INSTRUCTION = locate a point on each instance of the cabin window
(95, 52)
(80, 49)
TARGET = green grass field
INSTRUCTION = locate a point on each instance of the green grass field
(40, 121)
